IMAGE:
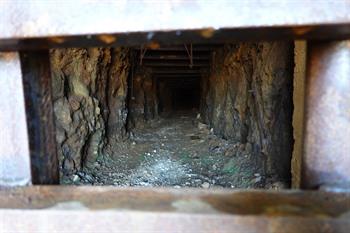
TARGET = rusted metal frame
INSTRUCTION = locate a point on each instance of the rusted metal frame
(188, 210)
(42, 142)
(326, 160)
(14, 145)
(190, 54)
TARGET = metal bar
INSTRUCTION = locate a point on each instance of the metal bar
(326, 159)
(41, 128)
(14, 151)
(96, 209)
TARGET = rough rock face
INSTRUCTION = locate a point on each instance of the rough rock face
(248, 98)
(89, 92)
(143, 104)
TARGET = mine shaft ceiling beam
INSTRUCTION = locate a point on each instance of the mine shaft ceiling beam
(51, 24)
(181, 48)
(177, 75)
(196, 53)
(179, 72)
(175, 58)
(172, 64)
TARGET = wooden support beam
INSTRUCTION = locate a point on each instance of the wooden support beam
(326, 160)
(196, 47)
(41, 128)
(175, 58)
(105, 209)
(45, 24)
(14, 151)
(185, 63)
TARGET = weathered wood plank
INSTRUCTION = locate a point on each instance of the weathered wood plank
(133, 221)
(42, 18)
(14, 151)
(45, 24)
(105, 209)
(41, 128)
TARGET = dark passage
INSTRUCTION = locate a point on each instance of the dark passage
(184, 94)
(200, 115)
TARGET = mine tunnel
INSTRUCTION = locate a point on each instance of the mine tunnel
(213, 115)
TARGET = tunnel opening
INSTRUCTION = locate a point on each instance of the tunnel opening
(184, 94)
(193, 115)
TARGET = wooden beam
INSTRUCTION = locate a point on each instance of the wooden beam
(99, 209)
(46, 19)
(175, 58)
(174, 64)
(47, 24)
(14, 151)
(41, 128)
(326, 159)
(181, 47)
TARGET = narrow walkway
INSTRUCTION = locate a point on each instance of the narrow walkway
(179, 152)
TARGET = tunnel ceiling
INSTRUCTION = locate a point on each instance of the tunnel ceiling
(178, 61)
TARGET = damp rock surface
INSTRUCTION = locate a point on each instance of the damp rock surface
(247, 98)
(89, 97)
(177, 151)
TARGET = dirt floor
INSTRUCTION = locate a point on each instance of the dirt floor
(177, 151)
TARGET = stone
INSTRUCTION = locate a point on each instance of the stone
(205, 185)
(257, 179)
(89, 93)
(248, 98)
(202, 126)
(76, 178)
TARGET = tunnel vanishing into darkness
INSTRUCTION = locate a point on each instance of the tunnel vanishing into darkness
(177, 70)
(194, 115)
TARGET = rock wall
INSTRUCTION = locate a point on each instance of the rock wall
(248, 99)
(89, 94)
(143, 103)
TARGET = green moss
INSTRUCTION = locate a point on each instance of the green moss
(231, 167)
